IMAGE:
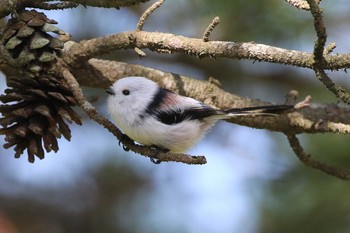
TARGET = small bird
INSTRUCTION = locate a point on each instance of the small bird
(155, 116)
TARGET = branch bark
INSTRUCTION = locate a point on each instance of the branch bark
(319, 51)
(159, 42)
(6, 6)
(309, 161)
(317, 118)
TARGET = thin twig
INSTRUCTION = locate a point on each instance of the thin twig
(301, 4)
(140, 53)
(143, 150)
(319, 51)
(329, 48)
(291, 97)
(147, 13)
(304, 103)
(308, 161)
(210, 28)
(337, 90)
(320, 29)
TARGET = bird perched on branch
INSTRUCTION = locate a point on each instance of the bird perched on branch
(154, 116)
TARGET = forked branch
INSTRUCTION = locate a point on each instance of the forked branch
(320, 62)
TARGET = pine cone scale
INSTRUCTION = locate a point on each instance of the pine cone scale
(44, 110)
(37, 126)
(64, 129)
(25, 31)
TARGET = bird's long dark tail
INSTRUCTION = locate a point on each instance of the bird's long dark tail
(259, 110)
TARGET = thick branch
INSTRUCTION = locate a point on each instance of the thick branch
(7, 6)
(318, 118)
(157, 41)
(108, 3)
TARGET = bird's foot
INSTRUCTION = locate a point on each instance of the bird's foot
(159, 150)
(124, 138)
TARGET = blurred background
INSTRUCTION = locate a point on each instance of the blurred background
(253, 183)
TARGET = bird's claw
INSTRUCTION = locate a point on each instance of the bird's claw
(125, 148)
(154, 158)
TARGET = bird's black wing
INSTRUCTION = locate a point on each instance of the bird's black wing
(167, 110)
(175, 116)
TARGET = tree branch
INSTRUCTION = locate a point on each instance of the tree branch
(6, 6)
(308, 161)
(157, 41)
(147, 13)
(316, 118)
(319, 51)
(210, 28)
(301, 4)
(52, 6)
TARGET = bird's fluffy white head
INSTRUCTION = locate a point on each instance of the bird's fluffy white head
(130, 95)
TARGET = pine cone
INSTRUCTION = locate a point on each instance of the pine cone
(36, 116)
(38, 104)
(26, 38)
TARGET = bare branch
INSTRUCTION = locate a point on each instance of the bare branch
(291, 97)
(52, 6)
(210, 28)
(6, 6)
(308, 161)
(140, 53)
(158, 41)
(337, 90)
(101, 74)
(301, 4)
(147, 13)
(320, 31)
(303, 104)
(329, 48)
(319, 52)
(108, 3)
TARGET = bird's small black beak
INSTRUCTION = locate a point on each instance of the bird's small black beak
(110, 91)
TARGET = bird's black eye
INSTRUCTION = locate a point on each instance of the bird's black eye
(126, 92)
